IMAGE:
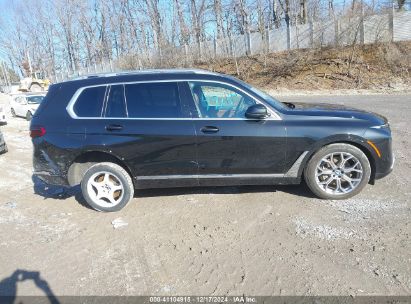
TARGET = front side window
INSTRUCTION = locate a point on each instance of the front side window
(215, 100)
(90, 102)
(116, 104)
(153, 100)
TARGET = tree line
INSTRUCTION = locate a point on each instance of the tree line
(56, 35)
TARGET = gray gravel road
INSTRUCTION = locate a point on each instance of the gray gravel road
(219, 241)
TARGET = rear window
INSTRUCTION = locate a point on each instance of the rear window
(90, 102)
(153, 100)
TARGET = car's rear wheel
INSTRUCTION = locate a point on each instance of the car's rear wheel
(29, 116)
(337, 171)
(107, 187)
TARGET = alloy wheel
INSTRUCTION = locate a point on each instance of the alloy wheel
(105, 189)
(338, 173)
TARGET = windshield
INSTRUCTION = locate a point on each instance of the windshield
(35, 99)
(268, 98)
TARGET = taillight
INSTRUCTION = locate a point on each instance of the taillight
(37, 131)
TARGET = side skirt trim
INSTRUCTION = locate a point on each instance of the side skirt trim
(292, 173)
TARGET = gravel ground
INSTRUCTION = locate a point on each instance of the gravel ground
(210, 241)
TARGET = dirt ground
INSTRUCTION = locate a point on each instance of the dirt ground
(381, 67)
(210, 241)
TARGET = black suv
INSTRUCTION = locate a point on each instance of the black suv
(113, 133)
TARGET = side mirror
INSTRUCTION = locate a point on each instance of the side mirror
(257, 111)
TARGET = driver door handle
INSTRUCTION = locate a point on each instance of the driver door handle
(113, 127)
(209, 129)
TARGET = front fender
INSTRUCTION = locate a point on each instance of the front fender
(355, 140)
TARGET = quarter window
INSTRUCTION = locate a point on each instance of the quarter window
(90, 102)
(116, 104)
(153, 100)
(214, 100)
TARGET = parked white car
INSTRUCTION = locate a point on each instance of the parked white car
(25, 105)
(3, 120)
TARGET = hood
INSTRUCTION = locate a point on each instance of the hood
(336, 110)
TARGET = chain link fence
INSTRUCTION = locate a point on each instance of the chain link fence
(392, 26)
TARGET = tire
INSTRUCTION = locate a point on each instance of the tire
(13, 113)
(99, 183)
(35, 88)
(337, 171)
(29, 116)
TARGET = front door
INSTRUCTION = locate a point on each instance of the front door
(232, 149)
(20, 104)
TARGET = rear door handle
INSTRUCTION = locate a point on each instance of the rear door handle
(209, 129)
(114, 127)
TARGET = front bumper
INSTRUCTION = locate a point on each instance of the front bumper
(379, 175)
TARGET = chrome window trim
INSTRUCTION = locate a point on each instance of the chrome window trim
(70, 106)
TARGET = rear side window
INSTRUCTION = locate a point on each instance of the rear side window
(90, 102)
(116, 104)
(153, 100)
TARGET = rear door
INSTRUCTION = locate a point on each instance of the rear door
(147, 126)
(232, 149)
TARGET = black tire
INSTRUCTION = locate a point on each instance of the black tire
(121, 174)
(13, 113)
(29, 116)
(311, 169)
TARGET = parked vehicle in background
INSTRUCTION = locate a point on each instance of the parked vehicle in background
(113, 133)
(25, 105)
(3, 146)
(3, 120)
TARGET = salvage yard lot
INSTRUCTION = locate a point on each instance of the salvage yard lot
(222, 241)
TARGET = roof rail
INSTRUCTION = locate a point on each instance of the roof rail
(147, 71)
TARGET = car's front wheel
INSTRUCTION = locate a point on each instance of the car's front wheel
(107, 187)
(337, 171)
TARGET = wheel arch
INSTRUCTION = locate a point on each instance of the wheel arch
(85, 160)
(356, 141)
